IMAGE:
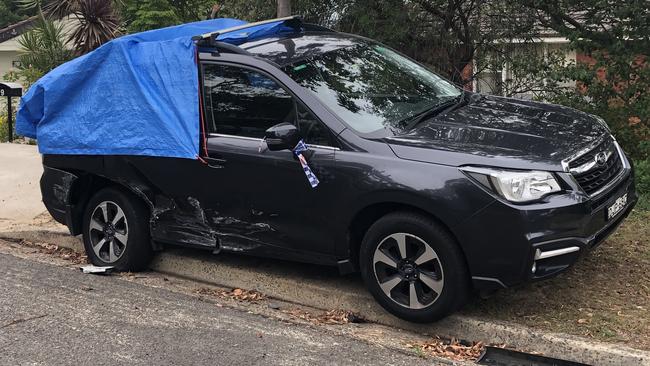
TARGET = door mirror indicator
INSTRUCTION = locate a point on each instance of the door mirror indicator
(283, 136)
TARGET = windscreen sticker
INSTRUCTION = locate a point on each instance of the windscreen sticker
(300, 67)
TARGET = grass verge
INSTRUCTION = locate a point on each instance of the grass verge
(605, 296)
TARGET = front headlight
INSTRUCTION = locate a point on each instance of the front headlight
(514, 185)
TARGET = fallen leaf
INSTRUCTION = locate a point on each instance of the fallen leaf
(451, 349)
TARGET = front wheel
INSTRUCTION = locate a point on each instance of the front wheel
(116, 231)
(413, 267)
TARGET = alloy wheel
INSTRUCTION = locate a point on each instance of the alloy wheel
(108, 231)
(408, 270)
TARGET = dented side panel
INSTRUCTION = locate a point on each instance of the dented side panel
(56, 188)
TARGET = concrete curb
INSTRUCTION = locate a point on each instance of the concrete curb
(323, 288)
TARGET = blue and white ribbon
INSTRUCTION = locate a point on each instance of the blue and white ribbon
(298, 150)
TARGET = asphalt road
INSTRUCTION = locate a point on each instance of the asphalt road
(57, 316)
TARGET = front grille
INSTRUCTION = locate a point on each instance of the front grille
(597, 176)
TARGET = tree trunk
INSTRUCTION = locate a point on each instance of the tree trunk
(284, 8)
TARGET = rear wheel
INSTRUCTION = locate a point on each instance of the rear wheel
(116, 231)
(413, 267)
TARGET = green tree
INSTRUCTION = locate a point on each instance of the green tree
(284, 8)
(251, 10)
(614, 79)
(193, 10)
(151, 14)
(448, 35)
(96, 21)
(50, 44)
(44, 48)
(11, 13)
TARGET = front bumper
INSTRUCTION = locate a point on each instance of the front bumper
(507, 245)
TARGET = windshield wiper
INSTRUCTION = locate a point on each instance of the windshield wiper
(435, 110)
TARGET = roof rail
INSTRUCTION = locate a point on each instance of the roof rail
(210, 39)
(224, 47)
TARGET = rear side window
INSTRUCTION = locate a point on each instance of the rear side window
(244, 102)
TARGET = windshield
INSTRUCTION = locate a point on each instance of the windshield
(371, 87)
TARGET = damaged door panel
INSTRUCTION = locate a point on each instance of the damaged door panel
(264, 197)
(253, 204)
(56, 187)
(182, 221)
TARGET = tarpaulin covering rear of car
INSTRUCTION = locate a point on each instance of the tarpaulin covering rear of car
(135, 95)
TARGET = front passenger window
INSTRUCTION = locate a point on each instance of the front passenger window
(243, 102)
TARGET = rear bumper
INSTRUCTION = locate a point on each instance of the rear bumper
(56, 186)
(507, 245)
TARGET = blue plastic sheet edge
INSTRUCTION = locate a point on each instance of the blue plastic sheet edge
(135, 95)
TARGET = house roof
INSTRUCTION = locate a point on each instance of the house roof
(16, 29)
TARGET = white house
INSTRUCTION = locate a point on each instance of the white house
(9, 47)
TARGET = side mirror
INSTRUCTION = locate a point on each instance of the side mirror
(283, 136)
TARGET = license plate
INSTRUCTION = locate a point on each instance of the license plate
(617, 206)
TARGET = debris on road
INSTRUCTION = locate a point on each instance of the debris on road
(235, 294)
(451, 349)
(97, 269)
(328, 317)
(51, 249)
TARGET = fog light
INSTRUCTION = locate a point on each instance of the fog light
(532, 270)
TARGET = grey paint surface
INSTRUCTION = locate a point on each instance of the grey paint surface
(119, 322)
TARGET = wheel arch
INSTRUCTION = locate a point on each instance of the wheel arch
(370, 213)
(87, 185)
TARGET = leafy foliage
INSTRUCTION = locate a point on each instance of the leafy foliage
(95, 21)
(643, 182)
(142, 15)
(446, 34)
(251, 10)
(11, 13)
(614, 77)
(45, 47)
(49, 44)
(193, 10)
(4, 130)
(151, 14)
(98, 24)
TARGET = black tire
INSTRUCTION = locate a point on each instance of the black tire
(136, 253)
(446, 269)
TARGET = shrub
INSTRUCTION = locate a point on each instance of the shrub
(4, 135)
(642, 170)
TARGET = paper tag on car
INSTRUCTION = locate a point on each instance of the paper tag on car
(300, 148)
(617, 206)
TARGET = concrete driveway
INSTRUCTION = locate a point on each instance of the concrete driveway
(20, 196)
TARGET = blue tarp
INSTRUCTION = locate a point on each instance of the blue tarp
(135, 95)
